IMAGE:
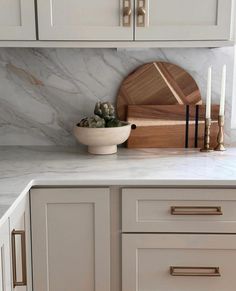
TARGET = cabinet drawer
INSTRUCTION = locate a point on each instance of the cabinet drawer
(170, 262)
(179, 210)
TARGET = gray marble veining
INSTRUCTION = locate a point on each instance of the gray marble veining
(24, 167)
(44, 92)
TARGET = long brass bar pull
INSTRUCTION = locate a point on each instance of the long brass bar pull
(141, 13)
(196, 210)
(195, 271)
(22, 282)
(127, 13)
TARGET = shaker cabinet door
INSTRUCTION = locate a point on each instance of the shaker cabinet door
(17, 20)
(21, 246)
(71, 239)
(5, 275)
(103, 20)
(169, 20)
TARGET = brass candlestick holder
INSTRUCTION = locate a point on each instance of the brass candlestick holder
(206, 147)
(220, 138)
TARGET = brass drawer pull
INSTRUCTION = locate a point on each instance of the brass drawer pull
(127, 13)
(195, 271)
(196, 210)
(21, 233)
(141, 13)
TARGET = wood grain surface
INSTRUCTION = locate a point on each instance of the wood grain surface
(157, 83)
(164, 126)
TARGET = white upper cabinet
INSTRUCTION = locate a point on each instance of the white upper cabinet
(117, 23)
(17, 20)
(173, 20)
(103, 20)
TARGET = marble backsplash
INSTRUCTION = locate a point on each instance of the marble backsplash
(44, 92)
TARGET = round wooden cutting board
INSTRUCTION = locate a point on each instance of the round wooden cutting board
(157, 83)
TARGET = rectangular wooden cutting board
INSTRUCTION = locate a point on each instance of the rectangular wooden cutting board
(170, 126)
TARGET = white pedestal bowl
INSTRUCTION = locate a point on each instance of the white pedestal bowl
(102, 141)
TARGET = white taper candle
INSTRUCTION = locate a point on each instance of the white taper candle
(208, 99)
(223, 89)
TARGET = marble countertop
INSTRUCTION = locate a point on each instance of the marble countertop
(24, 167)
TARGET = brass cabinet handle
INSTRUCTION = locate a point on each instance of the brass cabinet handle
(127, 13)
(20, 233)
(141, 13)
(196, 210)
(195, 271)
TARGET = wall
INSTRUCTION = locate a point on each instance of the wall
(44, 92)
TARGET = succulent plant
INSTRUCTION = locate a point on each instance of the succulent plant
(114, 122)
(105, 110)
(94, 121)
(104, 117)
(83, 122)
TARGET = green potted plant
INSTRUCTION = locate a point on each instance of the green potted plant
(102, 132)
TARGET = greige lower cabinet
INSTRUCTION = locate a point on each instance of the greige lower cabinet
(178, 262)
(178, 239)
(5, 273)
(157, 210)
(120, 239)
(20, 233)
(71, 239)
(15, 249)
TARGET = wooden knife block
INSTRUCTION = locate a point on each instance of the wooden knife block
(170, 126)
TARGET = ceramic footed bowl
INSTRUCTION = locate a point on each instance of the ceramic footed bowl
(102, 141)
